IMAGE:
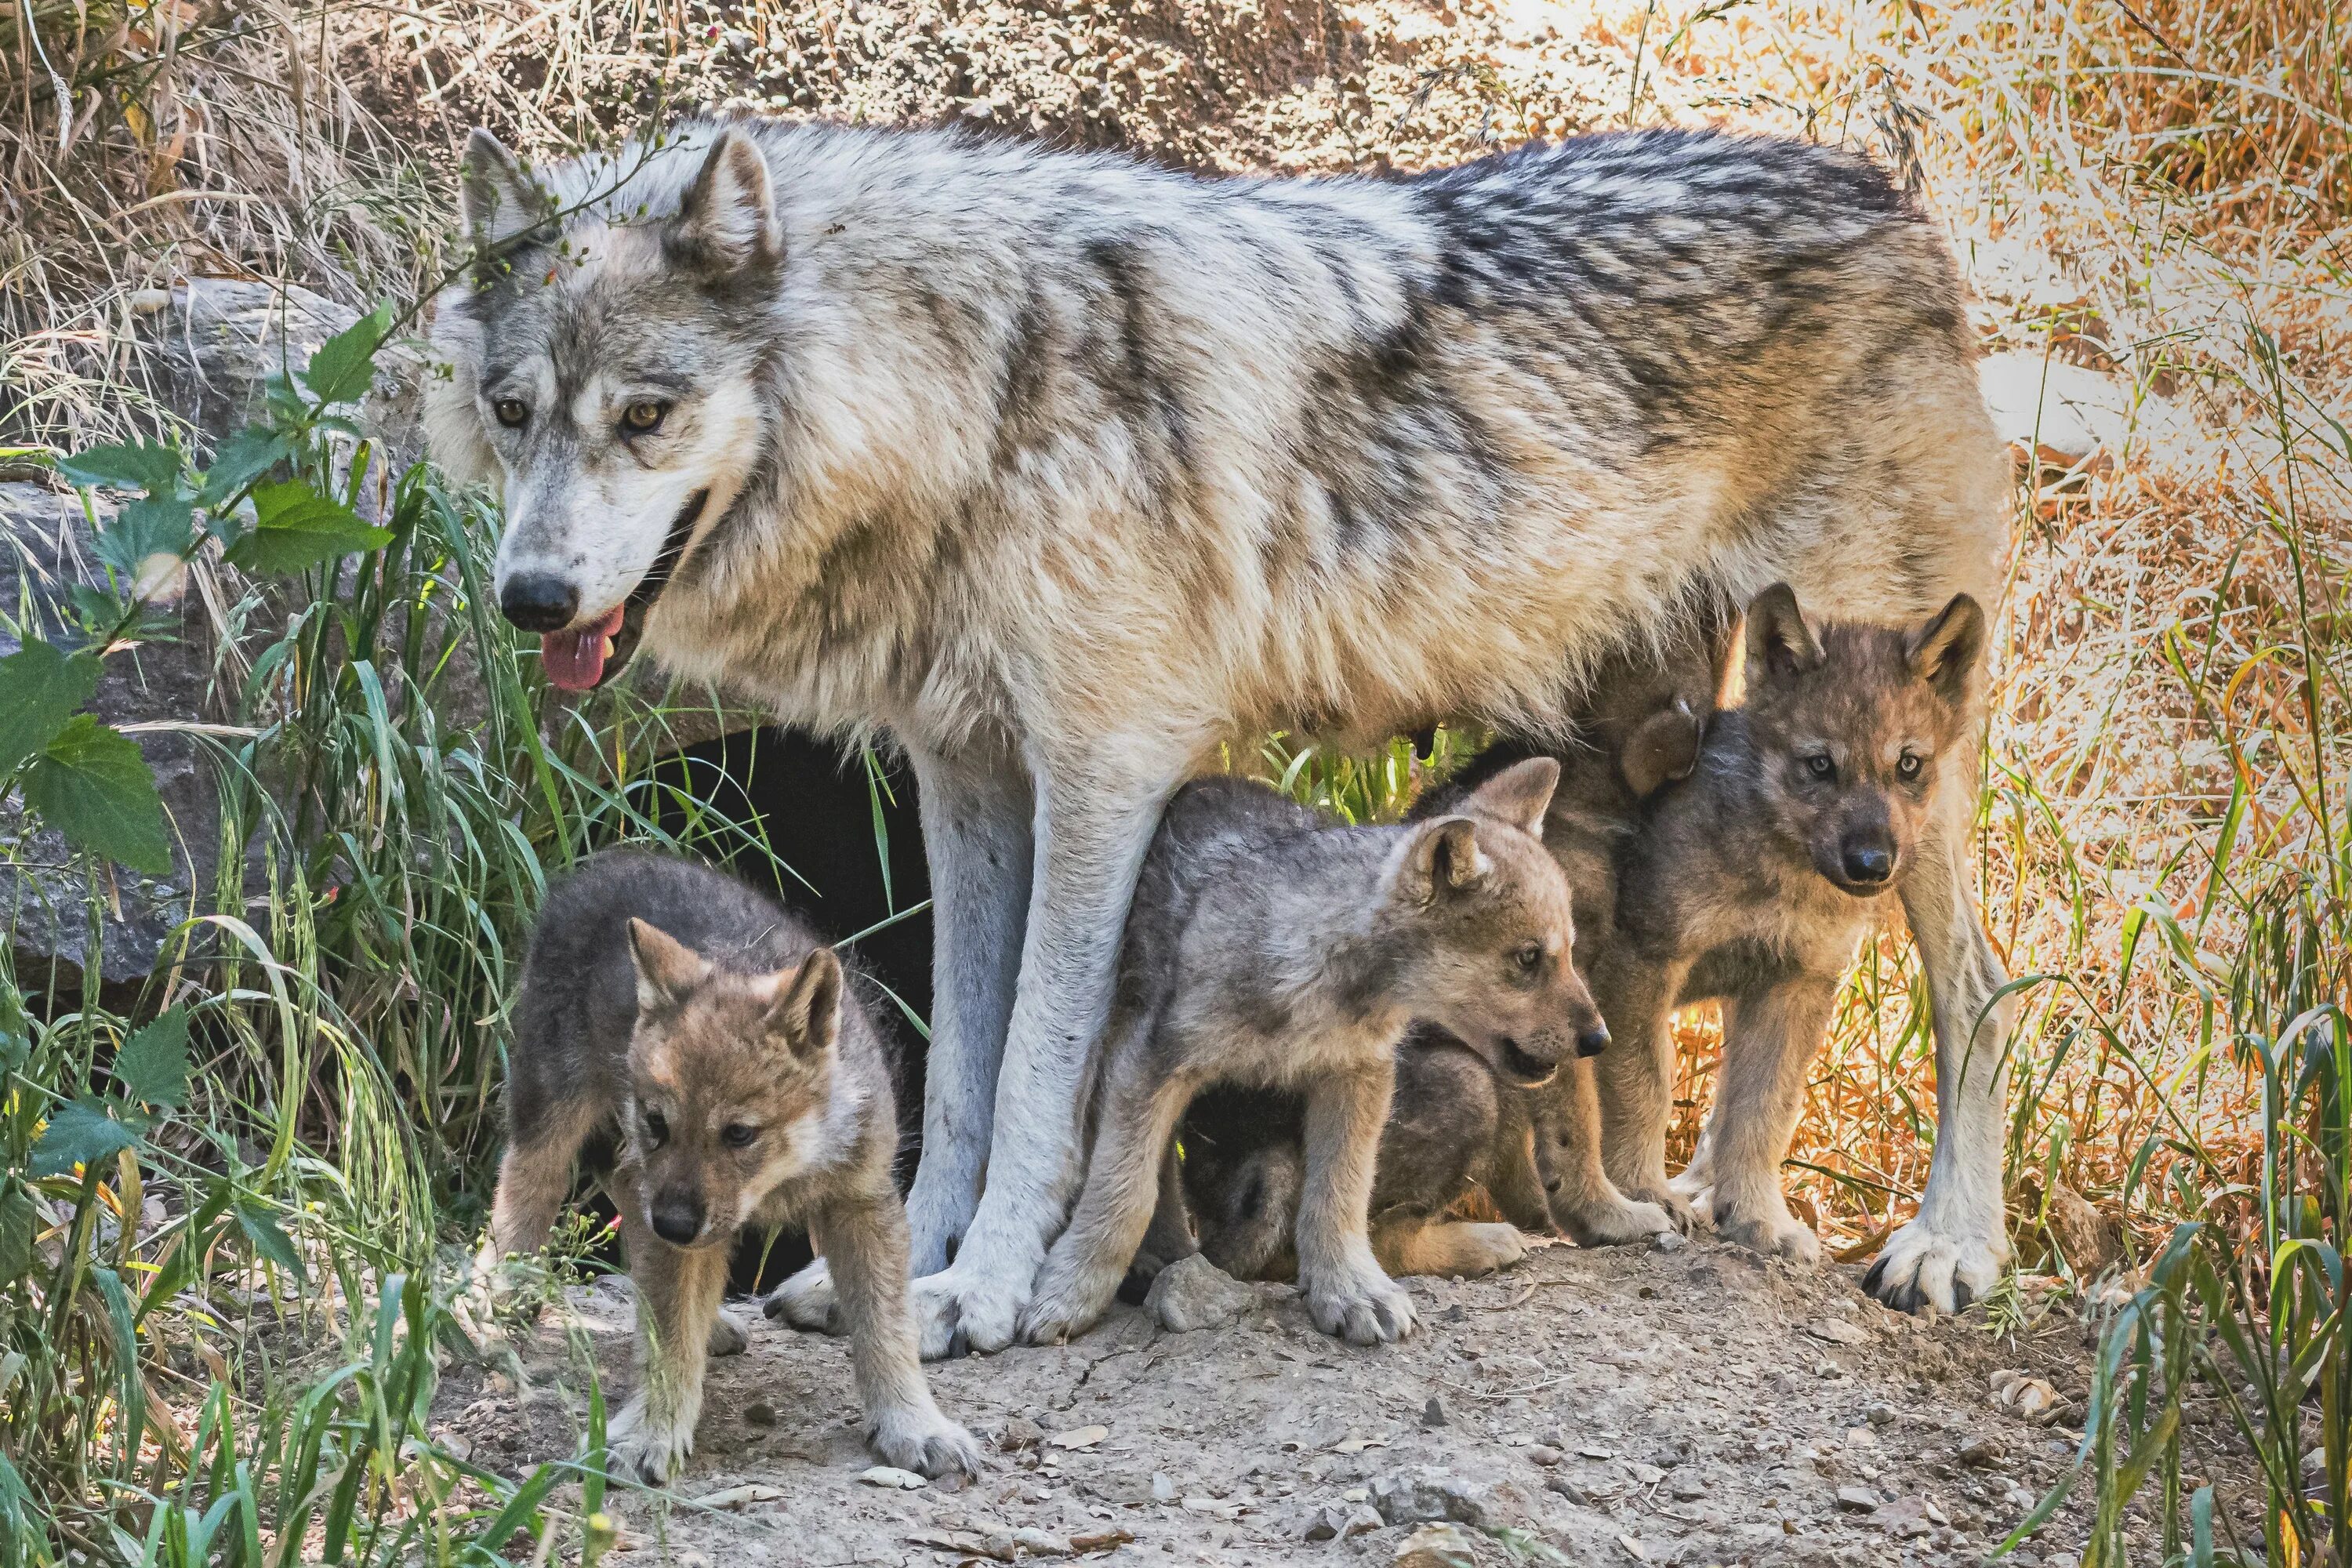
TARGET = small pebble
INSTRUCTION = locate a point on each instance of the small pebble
(1857, 1500)
(1433, 1413)
(1544, 1454)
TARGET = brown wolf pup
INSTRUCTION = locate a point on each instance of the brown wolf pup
(1753, 882)
(1269, 948)
(696, 1043)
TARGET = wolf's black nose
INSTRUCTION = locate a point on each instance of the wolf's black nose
(538, 601)
(677, 1219)
(1868, 863)
(1593, 1041)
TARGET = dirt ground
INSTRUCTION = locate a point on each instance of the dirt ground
(1687, 1405)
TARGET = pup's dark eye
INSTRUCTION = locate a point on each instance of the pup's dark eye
(1821, 767)
(739, 1134)
(643, 418)
(510, 412)
(656, 1128)
(1527, 957)
(1907, 768)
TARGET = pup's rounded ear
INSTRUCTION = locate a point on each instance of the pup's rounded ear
(1779, 643)
(1441, 859)
(1519, 795)
(666, 968)
(496, 196)
(1945, 652)
(1662, 747)
(727, 221)
(805, 1017)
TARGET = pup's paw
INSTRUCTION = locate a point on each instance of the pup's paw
(1780, 1234)
(726, 1336)
(1067, 1303)
(1366, 1308)
(1922, 1267)
(924, 1441)
(1621, 1224)
(640, 1447)
(969, 1306)
(805, 1301)
(1475, 1249)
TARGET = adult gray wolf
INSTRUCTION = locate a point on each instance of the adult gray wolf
(1065, 470)
(695, 1042)
(1270, 947)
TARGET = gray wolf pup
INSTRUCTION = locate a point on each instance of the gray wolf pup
(1753, 882)
(1268, 948)
(1064, 471)
(693, 1037)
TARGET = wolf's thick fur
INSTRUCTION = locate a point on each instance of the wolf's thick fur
(695, 1042)
(1270, 948)
(1066, 469)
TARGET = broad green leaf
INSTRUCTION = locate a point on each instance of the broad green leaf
(160, 525)
(16, 1221)
(294, 526)
(39, 689)
(344, 367)
(152, 1065)
(241, 460)
(261, 1228)
(141, 465)
(80, 1133)
(91, 785)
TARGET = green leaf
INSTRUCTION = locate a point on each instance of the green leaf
(295, 527)
(141, 465)
(92, 784)
(160, 525)
(39, 689)
(152, 1065)
(241, 460)
(344, 367)
(82, 1133)
(261, 1228)
(16, 1221)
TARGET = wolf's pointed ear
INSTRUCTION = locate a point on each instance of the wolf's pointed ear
(727, 221)
(496, 197)
(1441, 859)
(805, 1017)
(1519, 795)
(666, 968)
(1662, 747)
(1779, 643)
(1944, 653)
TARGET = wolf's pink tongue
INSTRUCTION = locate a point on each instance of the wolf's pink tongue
(574, 661)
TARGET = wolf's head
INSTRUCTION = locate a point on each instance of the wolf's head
(1851, 725)
(729, 1076)
(603, 365)
(1479, 919)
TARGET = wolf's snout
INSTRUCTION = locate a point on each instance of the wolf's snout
(1867, 862)
(678, 1217)
(1591, 1042)
(539, 600)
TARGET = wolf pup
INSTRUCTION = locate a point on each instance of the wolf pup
(1268, 948)
(1754, 881)
(695, 1042)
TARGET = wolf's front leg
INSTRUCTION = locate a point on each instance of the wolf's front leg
(1347, 1293)
(1953, 1252)
(678, 1291)
(1769, 1039)
(1092, 831)
(865, 1242)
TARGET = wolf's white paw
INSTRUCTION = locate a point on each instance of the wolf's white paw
(1774, 1234)
(805, 1301)
(968, 1307)
(1364, 1308)
(641, 1448)
(1070, 1298)
(726, 1336)
(925, 1442)
(1923, 1268)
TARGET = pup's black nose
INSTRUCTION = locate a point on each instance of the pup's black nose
(538, 601)
(677, 1218)
(1867, 863)
(1593, 1041)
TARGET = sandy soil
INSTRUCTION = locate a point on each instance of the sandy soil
(1686, 1406)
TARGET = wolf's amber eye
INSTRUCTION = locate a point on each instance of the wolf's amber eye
(656, 1128)
(1820, 765)
(644, 417)
(739, 1134)
(1527, 957)
(510, 412)
(1908, 767)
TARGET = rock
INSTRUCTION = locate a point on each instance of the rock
(760, 1412)
(1837, 1332)
(2026, 1397)
(1436, 1546)
(1163, 1489)
(1020, 1433)
(2061, 413)
(1906, 1518)
(1669, 1241)
(1857, 1500)
(1983, 1452)
(1880, 1415)
(1433, 1413)
(1427, 1494)
(1688, 1486)
(1341, 1521)
(1646, 1475)
(1195, 1293)
(1544, 1454)
(2087, 1238)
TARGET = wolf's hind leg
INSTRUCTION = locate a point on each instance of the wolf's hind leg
(866, 1240)
(1083, 1270)
(1347, 1293)
(678, 1291)
(1769, 1040)
(534, 1178)
(1449, 1248)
